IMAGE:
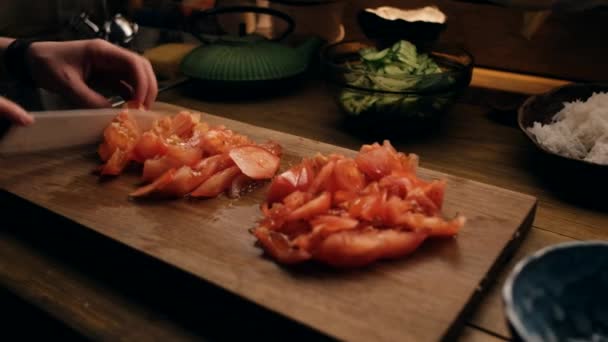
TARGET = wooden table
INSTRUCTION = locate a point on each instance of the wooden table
(101, 289)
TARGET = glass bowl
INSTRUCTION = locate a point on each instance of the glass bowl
(403, 101)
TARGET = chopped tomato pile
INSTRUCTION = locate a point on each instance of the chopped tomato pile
(349, 212)
(182, 155)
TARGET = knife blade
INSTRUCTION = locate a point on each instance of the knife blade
(66, 128)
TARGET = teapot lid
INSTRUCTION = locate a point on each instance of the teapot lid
(244, 57)
(248, 58)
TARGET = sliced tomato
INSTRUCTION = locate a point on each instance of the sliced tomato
(272, 147)
(368, 208)
(236, 140)
(194, 141)
(278, 246)
(422, 203)
(297, 178)
(371, 188)
(157, 185)
(217, 183)
(189, 178)
(305, 176)
(347, 176)
(450, 229)
(213, 164)
(397, 184)
(122, 132)
(149, 146)
(366, 148)
(378, 162)
(255, 162)
(120, 138)
(324, 179)
(154, 168)
(435, 192)
(355, 248)
(214, 141)
(201, 128)
(276, 216)
(105, 151)
(314, 207)
(294, 229)
(280, 187)
(296, 199)
(220, 140)
(342, 196)
(409, 162)
(387, 145)
(240, 185)
(394, 208)
(325, 225)
(183, 123)
(116, 164)
(433, 226)
(184, 181)
(163, 127)
(184, 154)
(128, 122)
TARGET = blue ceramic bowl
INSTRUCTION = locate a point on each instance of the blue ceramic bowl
(560, 293)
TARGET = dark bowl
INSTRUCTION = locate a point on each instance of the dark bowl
(560, 293)
(542, 108)
(386, 32)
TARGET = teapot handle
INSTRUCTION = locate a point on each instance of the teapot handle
(199, 15)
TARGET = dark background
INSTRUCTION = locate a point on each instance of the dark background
(568, 45)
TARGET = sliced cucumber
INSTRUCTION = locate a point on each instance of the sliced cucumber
(393, 84)
(372, 56)
(390, 70)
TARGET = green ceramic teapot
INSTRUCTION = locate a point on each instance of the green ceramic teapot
(236, 63)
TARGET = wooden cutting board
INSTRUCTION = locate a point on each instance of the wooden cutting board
(422, 297)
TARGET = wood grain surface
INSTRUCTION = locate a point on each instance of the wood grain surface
(476, 140)
(405, 299)
(37, 280)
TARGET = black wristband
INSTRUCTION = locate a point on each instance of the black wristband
(15, 60)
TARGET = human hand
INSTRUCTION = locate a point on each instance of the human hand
(14, 113)
(70, 67)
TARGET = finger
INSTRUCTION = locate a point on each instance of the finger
(125, 90)
(152, 84)
(140, 83)
(14, 113)
(112, 84)
(110, 58)
(80, 93)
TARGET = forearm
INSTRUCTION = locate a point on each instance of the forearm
(8, 109)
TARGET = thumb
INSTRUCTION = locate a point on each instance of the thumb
(79, 92)
(14, 113)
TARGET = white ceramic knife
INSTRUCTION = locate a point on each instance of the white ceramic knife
(65, 128)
